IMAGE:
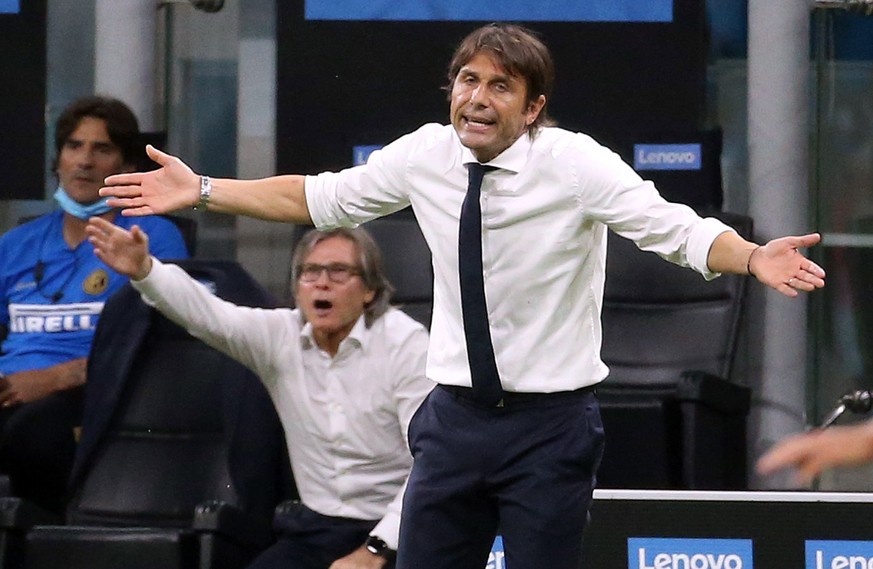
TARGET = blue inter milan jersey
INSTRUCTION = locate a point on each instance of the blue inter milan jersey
(51, 296)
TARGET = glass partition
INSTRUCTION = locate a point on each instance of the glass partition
(199, 60)
(842, 198)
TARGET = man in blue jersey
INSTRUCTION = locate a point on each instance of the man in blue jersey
(52, 289)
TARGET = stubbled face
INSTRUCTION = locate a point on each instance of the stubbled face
(489, 107)
(86, 158)
(332, 308)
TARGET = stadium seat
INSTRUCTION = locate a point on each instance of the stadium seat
(182, 458)
(407, 262)
(673, 417)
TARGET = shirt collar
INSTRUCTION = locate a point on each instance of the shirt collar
(513, 158)
(357, 335)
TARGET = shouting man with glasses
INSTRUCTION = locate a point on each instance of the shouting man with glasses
(344, 369)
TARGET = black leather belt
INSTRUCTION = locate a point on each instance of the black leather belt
(511, 398)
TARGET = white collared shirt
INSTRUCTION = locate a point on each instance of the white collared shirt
(545, 213)
(345, 417)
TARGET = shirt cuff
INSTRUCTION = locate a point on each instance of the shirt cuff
(388, 530)
(315, 190)
(151, 282)
(700, 243)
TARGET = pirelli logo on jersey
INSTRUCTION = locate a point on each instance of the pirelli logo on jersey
(44, 318)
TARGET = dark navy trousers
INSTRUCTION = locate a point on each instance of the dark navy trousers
(525, 471)
(38, 446)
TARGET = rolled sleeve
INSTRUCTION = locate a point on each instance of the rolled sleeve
(321, 201)
(700, 243)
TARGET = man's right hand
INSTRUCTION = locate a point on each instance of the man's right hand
(813, 452)
(126, 252)
(171, 187)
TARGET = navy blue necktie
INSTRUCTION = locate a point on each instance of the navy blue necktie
(480, 352)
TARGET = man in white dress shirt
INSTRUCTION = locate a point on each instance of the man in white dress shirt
(345, 372)
(511, 439)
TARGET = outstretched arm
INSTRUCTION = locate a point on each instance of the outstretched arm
(175, 186)
(778, 264)
(813, 452)
(126, 252)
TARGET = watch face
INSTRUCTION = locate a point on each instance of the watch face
(378, 547)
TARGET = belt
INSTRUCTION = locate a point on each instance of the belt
(511, 398)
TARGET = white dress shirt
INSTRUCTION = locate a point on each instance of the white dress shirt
(345, 417)
(544, 218)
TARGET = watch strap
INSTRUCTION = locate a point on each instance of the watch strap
(205, 193)
(377, 546)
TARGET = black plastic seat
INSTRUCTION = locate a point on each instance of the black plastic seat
(182, 458)
(672, 415)
(407, 262)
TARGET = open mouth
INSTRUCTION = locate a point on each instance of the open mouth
(479, 122)
(323, 305)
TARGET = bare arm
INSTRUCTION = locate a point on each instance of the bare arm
(279, 198)
(813, 452)
(175, 186)
(778, 264)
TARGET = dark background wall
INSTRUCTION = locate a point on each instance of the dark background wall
(22, 101)
(347, 83)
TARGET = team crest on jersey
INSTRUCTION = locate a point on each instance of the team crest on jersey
(96, 282)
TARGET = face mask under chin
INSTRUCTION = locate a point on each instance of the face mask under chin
(76, 209)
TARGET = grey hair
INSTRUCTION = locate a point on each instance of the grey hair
(369, 263)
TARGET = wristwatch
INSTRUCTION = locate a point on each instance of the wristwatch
(377, 546)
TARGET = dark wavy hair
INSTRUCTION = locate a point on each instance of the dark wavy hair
(520, 53)
(369, 262)
(121, 125)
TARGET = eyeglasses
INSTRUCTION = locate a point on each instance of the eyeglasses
(337, 272)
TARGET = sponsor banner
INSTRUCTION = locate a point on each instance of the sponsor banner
(493, 10)
(823, 554)
(361, 153)
(667, 157)
(688, 553)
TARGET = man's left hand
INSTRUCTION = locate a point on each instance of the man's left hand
(780, 265)
(361, 558)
